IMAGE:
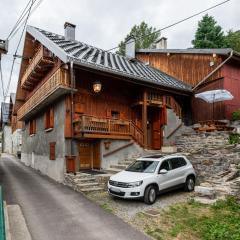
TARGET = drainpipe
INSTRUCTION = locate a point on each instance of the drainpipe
(72, 77)
(216, 69)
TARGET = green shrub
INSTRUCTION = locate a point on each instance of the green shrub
(236, 115)
(234, 138)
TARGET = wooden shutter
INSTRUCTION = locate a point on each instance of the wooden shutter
(34, 127)
(52, 151)
(51, 117)
(46, 120)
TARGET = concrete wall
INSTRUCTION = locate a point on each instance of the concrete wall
(16, 141)
(7, 139)
(128, 152)
(35, 149)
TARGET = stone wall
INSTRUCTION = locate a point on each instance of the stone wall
(36, 149)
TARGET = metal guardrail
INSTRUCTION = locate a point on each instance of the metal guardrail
(2, 219)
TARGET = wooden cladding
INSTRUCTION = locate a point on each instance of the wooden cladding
(52, 150)
(32, 127)
(41, 58)
(49, 118)
(57, 84)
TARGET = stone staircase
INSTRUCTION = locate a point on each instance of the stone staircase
(83, 182)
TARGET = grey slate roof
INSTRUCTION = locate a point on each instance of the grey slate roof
(220, 51)
(96, 58)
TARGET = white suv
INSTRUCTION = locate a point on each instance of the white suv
(148, 176)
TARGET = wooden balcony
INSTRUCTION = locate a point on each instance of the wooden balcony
(40, 64)
(57, 85)
(91, 127)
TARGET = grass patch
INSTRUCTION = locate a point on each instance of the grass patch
(193, 220)
(106, 207)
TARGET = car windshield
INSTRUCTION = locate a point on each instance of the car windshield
(143, 166)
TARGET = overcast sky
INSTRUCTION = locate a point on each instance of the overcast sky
(105, 23)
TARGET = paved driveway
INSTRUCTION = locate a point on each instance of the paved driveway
(53, 211)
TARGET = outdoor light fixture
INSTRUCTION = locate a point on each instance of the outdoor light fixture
(97, 86)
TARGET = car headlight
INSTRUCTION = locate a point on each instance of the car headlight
(135, 184)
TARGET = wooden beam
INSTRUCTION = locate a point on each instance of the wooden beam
(144, 118)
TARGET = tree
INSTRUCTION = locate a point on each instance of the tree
(232, 40)
(143, 36)
(208, 34)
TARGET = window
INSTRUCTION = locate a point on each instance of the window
(52, 151)
(32, 127)
(115, 114)
(165, 165)
(49, 118)
(177, 162)
(143, 166)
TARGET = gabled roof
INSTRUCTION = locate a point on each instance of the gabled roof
(219, 51)
(96, 58)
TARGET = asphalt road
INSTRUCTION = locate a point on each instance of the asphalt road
(53, 211)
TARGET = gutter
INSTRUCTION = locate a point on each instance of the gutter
(216, 69)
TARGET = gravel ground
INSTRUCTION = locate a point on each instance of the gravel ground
(128, 209)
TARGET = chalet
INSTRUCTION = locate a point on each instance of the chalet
(204, 69)
(80, 105)
(6, 127)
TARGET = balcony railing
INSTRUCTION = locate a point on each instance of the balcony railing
(58, 84)
(42, 56)
(108, 127)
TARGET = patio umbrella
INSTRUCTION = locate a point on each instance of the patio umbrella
(215, 96)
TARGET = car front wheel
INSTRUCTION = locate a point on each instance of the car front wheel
(189, 184)
(150, 195)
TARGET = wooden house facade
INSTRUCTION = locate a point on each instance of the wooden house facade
(79, 105)
(203, 69)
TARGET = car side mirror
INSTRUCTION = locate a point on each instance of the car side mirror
(163, 171)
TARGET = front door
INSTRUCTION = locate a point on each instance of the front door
(156, 129)
(89, 155)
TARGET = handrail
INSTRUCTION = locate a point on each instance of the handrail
(118, 149)
(2, 219)
(92, 124)
(174, 130)
(59, 78)
(172, 103)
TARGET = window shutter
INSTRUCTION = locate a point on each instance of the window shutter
(52, 150)
(46, 120)
(34, 130)
(51, 120)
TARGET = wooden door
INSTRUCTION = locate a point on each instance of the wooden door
(85, 155)
(96, 155)
(156, 129)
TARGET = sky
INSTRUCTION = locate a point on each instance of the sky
(105, 23)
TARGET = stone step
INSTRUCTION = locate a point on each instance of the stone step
(206, 192)
(92, 189)
(82, 180)
(119, 166)
(205, 200)
(113, 170)
(86, 185)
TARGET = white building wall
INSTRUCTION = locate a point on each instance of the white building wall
(17, 142)
(7, 139)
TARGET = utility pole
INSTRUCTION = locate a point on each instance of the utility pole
(3, 46)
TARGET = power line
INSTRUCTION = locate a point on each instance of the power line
(19, 19)
(14, 58)
(176, 23)
(20, 24)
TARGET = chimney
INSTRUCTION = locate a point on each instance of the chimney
(130, 47)
(69, 31)
(161, 43)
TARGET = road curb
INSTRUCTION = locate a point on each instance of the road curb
(7, 226)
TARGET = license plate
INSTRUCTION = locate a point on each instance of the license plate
(115, 190)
